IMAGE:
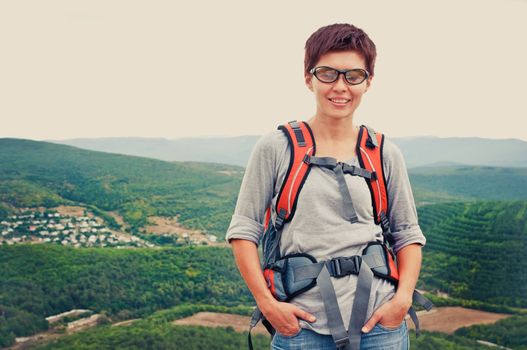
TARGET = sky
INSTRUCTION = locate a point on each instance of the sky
(171, 69)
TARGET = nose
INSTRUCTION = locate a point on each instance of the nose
(340, 84)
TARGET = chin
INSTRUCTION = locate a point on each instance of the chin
(340, 116)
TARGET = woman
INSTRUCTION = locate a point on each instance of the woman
(339, 68)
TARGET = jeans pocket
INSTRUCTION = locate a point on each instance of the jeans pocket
(390, 329)
(289, 336)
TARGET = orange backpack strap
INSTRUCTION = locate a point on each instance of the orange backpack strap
(369, 151)
(302, 144)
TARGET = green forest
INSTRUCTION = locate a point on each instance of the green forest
(476, 251)
(474, 219)
(42, 280)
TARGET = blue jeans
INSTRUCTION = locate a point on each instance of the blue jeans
(379, 338)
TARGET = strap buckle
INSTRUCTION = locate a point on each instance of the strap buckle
(342, 344)
(343, 266)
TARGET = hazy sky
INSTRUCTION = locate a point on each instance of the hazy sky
(175, 69)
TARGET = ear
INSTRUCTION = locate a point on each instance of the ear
(368, 83)
(308, 78)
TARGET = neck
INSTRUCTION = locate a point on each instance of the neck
(327, 128)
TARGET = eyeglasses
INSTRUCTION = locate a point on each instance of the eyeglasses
(330, 75)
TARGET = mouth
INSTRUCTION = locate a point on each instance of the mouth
(339, 101)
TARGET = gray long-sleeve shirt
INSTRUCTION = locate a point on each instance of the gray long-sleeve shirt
(319, 226)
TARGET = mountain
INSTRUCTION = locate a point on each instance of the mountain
(34, 173)
(418, 151)
(232, 150)
(202, 195)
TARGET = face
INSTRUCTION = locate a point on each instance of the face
(338, 99)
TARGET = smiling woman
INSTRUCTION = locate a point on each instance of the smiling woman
(325, 240)
(338, 98)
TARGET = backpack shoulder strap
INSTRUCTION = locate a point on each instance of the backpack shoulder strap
(302, 144)
(369, 152)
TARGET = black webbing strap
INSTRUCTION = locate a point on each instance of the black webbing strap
(280, 217)
(422, 300)
(256, 317)
(348, 265)
(415, 320)
(349, 208)
(331, 163)
(351, 339)
(360, 305)
(325, 162)
(331, 306)
(386, 231)
(274, 250)
(338, 267)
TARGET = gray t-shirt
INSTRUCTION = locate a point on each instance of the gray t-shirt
(319, 226)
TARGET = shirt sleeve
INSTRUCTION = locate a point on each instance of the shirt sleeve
(401, 206)
(257, 189)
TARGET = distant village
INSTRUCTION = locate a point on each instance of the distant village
(33, 226)
(52, 227)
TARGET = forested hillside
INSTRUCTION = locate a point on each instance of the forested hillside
(202, 195)
(42, 280)
(476, 251)
(39, 173)
(468, 183)
(475, 247)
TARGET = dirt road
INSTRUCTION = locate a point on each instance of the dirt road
(442, 319)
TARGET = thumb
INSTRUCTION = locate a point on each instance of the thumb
(304, 315)
(371, 323)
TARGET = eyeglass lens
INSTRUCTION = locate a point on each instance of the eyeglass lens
(329, 75)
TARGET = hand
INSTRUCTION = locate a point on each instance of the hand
(284, 317)
(391, 314)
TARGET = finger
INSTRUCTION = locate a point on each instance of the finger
(371, 323)
(304, 315)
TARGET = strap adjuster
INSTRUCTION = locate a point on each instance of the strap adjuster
(342, 343)
(280, 217)
(298, 133)
(385, 222)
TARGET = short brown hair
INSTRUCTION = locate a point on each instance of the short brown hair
(339, 37)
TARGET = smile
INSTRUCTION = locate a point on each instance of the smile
(339, 101)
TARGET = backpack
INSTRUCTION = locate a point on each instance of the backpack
(293, 274)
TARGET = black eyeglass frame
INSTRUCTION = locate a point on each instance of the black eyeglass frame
(343, 72)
